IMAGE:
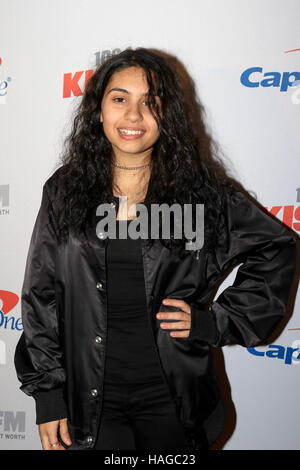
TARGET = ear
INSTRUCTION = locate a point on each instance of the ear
(101, 117)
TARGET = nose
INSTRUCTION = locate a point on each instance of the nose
(133, 113)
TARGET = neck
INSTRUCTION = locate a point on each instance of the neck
(130, 182)
(131, 160)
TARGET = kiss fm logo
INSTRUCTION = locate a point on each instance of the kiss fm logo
(12, 425)
(75, 82)
(8, 300)
(4, 199)
(255, 77)
(3, 86)
(289, 215)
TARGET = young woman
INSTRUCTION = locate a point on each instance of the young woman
(116, 348)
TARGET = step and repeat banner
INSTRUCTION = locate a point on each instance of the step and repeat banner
(244, 58)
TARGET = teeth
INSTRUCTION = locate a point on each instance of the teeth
(127, 132)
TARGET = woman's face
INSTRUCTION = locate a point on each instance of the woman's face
(124, 110)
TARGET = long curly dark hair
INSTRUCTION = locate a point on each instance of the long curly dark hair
(186, 167)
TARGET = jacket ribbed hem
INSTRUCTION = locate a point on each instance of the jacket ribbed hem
(50, 405)
(203, 325)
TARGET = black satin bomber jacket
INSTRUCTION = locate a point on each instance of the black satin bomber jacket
(60, 355)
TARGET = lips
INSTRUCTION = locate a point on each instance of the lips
(131, 136)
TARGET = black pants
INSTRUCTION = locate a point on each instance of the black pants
(139, 417)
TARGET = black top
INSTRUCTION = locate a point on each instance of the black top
(130, 352)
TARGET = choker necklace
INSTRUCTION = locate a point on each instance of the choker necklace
(130, 167)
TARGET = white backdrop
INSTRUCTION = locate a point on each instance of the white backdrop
(41, 41)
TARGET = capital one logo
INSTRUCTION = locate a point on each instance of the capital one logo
(3, 87)
(257, 77)
(288, 355)
(8, 300)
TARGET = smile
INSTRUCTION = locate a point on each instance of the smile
(131, 132)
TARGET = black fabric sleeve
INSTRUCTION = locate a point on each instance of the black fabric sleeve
(38, 355)
(247, 312)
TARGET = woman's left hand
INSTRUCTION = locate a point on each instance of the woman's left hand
(184, 317)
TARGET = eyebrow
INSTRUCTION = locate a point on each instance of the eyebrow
(122, 90)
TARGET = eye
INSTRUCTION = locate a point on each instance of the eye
(118, 98)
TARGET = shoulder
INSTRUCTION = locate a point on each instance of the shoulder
(51, 185)
(248, 221)
(235, 197)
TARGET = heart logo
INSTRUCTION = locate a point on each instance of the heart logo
(8, 300)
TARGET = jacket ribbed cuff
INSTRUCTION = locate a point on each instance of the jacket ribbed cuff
(50, 405)
(203, 326)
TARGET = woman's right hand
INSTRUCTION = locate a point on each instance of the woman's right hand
(49, 434)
